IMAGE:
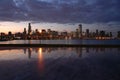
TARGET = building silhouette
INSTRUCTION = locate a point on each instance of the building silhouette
(87, 33)
(118, 34)
(80, 30)
(25, 31)
(97, 32)
(29, 29)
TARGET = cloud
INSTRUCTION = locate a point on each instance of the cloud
(60, 11)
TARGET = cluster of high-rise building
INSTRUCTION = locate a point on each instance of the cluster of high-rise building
(80, 34)
(52, 34)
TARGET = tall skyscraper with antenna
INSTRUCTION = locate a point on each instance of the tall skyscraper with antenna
(29, 29)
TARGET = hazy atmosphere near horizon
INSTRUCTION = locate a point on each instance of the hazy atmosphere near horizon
(60, 15)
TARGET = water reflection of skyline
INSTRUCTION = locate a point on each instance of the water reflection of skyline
(58, 62)
(77, 50)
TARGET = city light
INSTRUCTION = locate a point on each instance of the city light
(40, 31)
(49, 34)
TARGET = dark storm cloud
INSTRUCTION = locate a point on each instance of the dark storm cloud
(60, 11)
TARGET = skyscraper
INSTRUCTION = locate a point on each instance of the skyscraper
(80, 31)
(97, 32)
(87, 33)
(29, 29)
(24, 31)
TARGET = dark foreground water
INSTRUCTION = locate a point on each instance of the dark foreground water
(59, 63)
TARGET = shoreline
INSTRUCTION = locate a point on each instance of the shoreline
(59, 45)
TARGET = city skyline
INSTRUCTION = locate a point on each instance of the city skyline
(13, 27)
(60, 15)
(49, 34)
(59, 39)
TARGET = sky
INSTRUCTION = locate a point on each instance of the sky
(61, 15)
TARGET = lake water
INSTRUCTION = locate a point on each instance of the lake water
(60, 63)
(108, 42)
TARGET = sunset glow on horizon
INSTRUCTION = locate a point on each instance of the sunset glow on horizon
(59, 15)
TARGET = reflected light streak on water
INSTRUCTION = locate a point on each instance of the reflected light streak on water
(40, 61)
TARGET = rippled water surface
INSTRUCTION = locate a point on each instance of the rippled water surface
(60, 63)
